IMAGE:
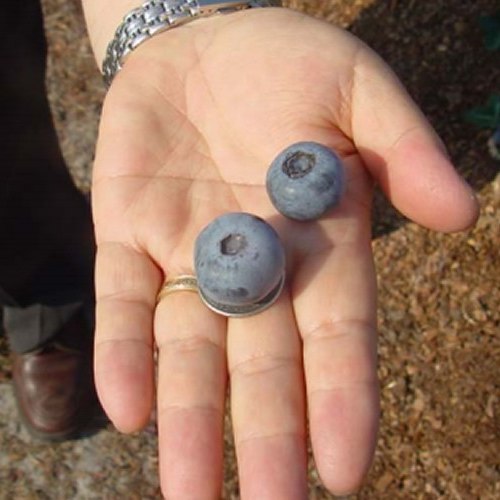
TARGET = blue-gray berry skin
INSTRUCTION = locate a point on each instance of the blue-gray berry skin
(239, 262)
(305, 181)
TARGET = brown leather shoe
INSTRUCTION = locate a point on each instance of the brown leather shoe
(54, 389)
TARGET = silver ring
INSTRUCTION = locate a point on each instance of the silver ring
(241, 311)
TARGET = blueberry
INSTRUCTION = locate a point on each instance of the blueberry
(239, 262)
(305, 180)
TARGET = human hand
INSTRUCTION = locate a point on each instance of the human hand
(188, 129)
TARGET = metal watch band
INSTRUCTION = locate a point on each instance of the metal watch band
(156, 16)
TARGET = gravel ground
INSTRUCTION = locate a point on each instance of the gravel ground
(439, 294)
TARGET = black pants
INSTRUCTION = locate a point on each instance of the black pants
(46, 233)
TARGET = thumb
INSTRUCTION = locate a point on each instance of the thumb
(403, 152)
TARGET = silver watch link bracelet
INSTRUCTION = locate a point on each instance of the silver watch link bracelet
(156, 16)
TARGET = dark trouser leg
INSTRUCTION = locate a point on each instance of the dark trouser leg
(46, 234)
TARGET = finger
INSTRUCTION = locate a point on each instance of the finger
(403, 152)
(334, 298)
(267, 402)
(191, 391)
(126, 285)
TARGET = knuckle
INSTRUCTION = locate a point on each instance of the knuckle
(263, 364)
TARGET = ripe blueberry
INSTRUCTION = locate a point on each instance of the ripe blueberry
(239, 262)
(305, 180)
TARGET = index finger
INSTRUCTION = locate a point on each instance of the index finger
(335, 306)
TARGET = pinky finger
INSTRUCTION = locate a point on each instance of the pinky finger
(126, 285)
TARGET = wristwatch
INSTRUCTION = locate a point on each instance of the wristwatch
(156, 16)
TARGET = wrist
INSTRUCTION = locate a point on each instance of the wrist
(102, 19)
(144, 21)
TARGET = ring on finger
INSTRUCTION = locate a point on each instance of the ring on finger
(182, 283)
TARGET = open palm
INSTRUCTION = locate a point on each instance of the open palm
(188, 130)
